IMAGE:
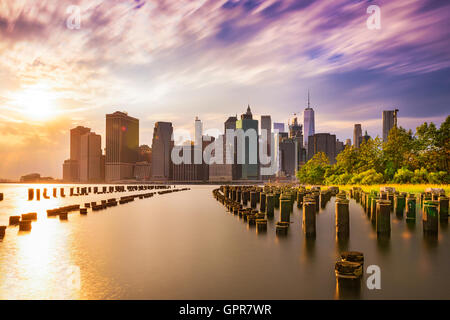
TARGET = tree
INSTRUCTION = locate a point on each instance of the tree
(398, 150)
(313, 172)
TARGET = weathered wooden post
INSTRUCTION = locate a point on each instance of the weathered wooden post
(430, 217)
(261, 225)
(25, 225)
(342, 218)
(373, 210)
(443, 207)
(30, 194)
(61, 193)
(411, 207)
(300, 196)
(277, 199)
(399, 204)
(14, 220)
(253, 198)
(55, 192)
(270, 205)
(383, 217)
(38, 194)
(309, 218)
(285, 213)
(262, 206)
(2, 231)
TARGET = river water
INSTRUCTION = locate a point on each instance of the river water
(185, 245)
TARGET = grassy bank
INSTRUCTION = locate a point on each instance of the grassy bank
(410, 188)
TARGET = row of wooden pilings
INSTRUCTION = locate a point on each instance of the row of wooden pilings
(35, 193)
(236, 198)
(379, 205)
(24, 221)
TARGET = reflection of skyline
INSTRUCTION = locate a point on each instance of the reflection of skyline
(173, 62)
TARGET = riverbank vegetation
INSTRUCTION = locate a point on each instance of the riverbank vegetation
(406, 158)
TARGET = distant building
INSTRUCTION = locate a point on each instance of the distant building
(73, 173)
(288, 159)
(71, 170)
(365, 138)
(339, 146)
(348, 142)
(145, 154)
(91, 158)
(322, 142)
(122, 142)
(308, 124)
(278, 126)
(249, 170)
(266, 126)
(357, 135)
(389, 121)
(35, 178)
(143, 171)
(162, 145)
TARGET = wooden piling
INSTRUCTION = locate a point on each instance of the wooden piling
(399, 204)
(270, 205)
(309, 218)
(30, 194)
(443, 207)
(262, 205)
(253, 199)
(25, 225)
(430, 217)
(14, 220)
(410, 208)
(383, 222)
(285, 213)
(342, 219)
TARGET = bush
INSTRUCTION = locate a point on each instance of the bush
(420, 176)
(438, 177)
(368, 177)
(403, 175)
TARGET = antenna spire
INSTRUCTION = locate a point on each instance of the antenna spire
(309, 105)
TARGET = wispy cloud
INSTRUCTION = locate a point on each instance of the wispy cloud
(173, 60)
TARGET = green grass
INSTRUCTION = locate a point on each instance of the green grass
(409, 188)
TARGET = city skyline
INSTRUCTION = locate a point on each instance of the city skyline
(209, 59)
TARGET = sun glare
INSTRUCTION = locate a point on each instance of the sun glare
(37, 102)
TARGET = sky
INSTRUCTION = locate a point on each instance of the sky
(175, 60)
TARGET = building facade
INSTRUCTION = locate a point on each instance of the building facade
(249, 169)
(389, 121)
(322, 142)
(122, 143)
(91, 158)
(308, 124)
(162, 145)
(357, 135)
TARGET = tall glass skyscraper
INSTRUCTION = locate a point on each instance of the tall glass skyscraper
(122, 143)
(308, 123)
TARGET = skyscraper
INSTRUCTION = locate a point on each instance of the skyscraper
(73, 164)
(278, 126)
(357, 135)
(266, 126)
(323, 142)
(249, 170)
(198, 142)
(162, 145)
(389, 121)
(308, 123)
(91, 158)
(122, 143)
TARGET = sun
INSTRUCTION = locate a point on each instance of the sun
(36, 102)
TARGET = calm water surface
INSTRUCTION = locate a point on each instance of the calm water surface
(186, 246)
